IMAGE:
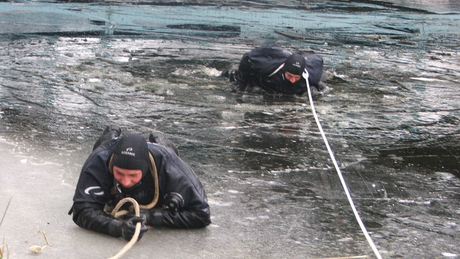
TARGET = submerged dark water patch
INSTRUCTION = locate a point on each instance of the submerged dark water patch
(438, 157)
(205, 27)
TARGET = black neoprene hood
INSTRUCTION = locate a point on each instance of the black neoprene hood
(295, 64)
(131, 152)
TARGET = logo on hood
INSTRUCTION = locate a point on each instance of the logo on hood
(129, 152)
(296, 64)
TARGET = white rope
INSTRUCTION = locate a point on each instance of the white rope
(345, 187)
(137, 231)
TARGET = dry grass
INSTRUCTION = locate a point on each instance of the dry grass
(2, 251)
(4, 246)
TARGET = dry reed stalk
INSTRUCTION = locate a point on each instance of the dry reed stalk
(2, 249)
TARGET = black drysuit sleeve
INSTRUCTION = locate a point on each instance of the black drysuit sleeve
(183, 197)
(92, 193)
(90, 216)
(314, 67)
(180, 218)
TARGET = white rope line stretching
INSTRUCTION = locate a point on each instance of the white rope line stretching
(137, 231)
(342, 180)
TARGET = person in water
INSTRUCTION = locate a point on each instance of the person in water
(277, 70)
(126, 165)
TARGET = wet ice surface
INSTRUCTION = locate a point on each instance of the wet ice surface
(391, 114)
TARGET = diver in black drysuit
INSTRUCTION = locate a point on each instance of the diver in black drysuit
(270, 67)
(182, 199)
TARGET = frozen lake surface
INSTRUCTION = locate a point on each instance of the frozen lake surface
(390, 112)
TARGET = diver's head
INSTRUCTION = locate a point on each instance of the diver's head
(130, 160)
(294, 67)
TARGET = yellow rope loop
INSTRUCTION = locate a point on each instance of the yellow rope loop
(137, 210)
(153, 169)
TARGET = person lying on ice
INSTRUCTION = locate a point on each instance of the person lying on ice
(126, 165)
(277, 70)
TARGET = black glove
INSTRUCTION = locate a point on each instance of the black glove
(157, 217)
(153, 217)
(129, 226)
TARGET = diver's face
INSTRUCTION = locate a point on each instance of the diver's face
(127, 177)
(291, 77)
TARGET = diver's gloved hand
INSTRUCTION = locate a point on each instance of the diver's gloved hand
(305, 74)
(157, 217)
(153, 217)
(128, 227)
